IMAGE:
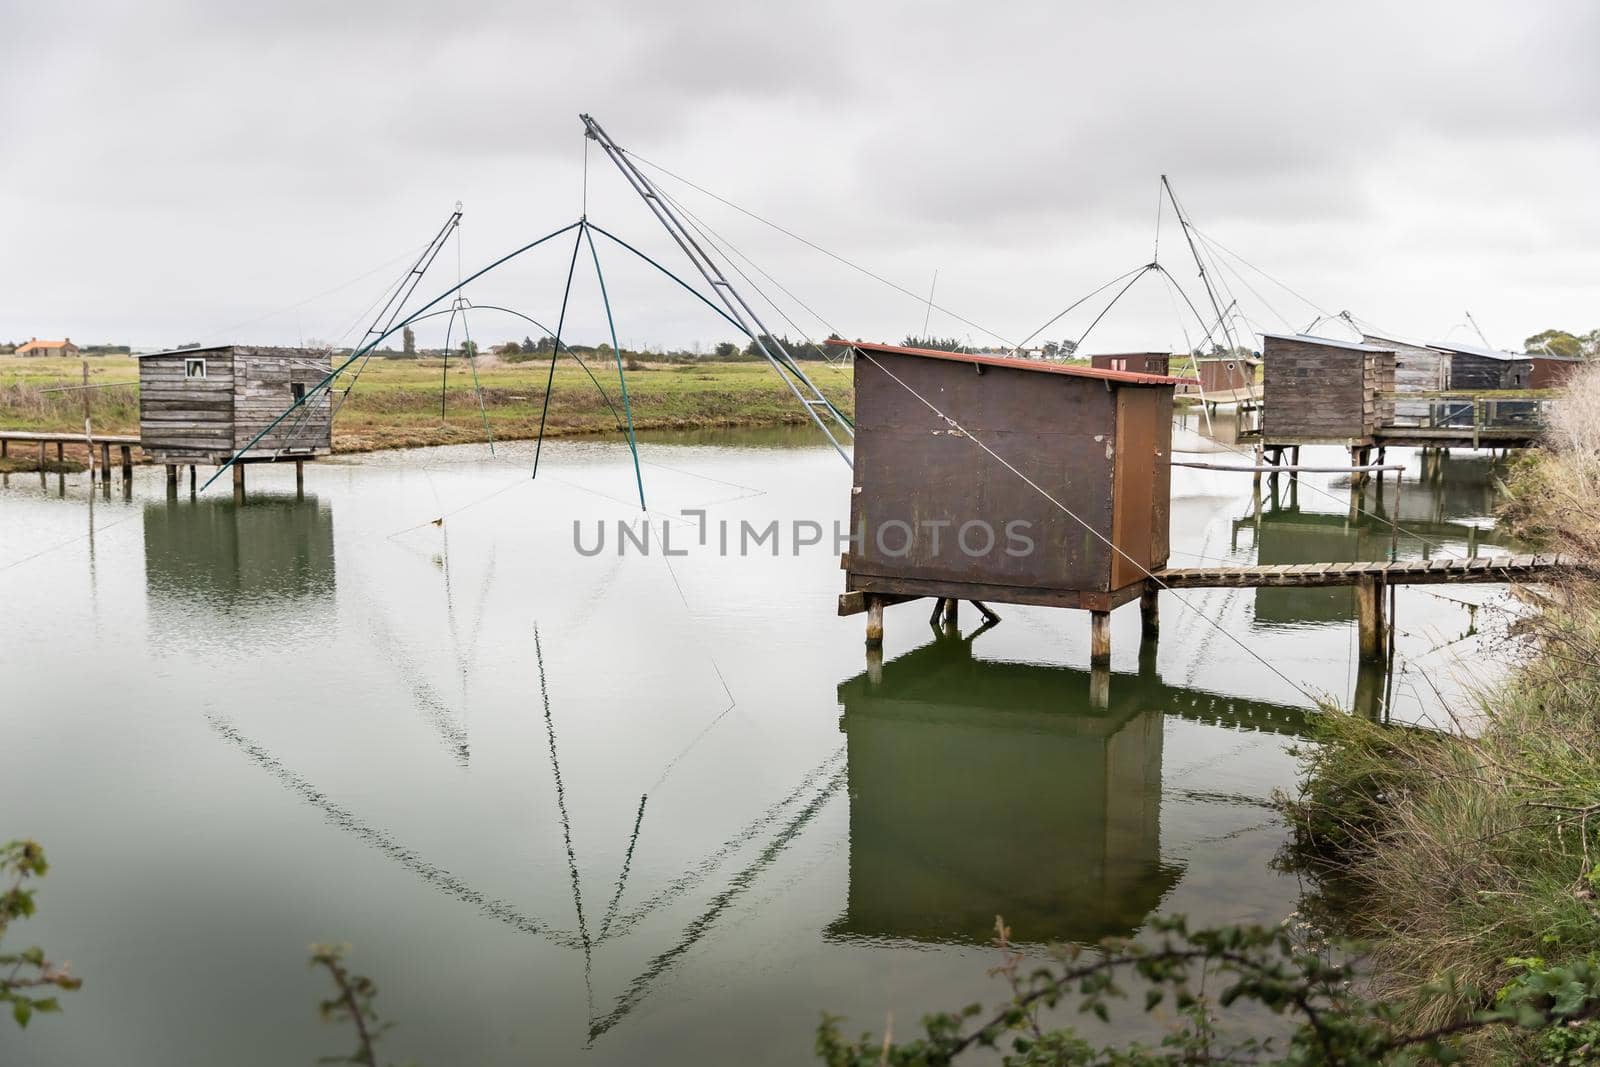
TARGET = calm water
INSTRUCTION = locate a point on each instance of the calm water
(607, 810)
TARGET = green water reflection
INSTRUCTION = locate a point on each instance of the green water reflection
(984, 787)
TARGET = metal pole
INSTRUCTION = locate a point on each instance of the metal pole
(736, 304)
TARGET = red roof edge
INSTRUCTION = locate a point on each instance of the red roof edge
(1009, 362)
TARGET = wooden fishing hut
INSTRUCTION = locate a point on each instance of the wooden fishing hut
(935, 511)
(1137, 362)
(201, 405)
(1474, 368)
(1316, 390)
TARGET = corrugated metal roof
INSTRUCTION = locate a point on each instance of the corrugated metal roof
(1475, 350)
(1040, 366)
(1329, 341)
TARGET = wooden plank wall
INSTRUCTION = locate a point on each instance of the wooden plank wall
(1416, 370)
(186, 418)
(263, 381)
(1469, 372)
(1321, 392)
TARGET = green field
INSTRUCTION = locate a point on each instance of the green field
(395, 403)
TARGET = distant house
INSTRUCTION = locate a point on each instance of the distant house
(1472, 367)
(36, 347)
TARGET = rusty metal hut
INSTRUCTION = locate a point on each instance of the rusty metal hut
(1137, 362)
(201, 405)
(935, 511)
(1316, 390)
(1227, 379)
(1551, 372)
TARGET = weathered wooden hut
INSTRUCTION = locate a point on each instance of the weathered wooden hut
(1316, 390)
(1473, 368)
(1137, 362)
(1551, 372)
(1417, 368)
(935, 513)
(200, 405)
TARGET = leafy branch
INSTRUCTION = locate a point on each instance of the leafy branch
(1265, 966)
(27, 970)
(353, 1002)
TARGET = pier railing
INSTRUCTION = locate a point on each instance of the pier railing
(1480, 416)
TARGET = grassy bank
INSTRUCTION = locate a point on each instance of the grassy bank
(1466, 860)
(396, 402)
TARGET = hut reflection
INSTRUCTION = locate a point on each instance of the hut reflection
(208, 552)
(981, 787)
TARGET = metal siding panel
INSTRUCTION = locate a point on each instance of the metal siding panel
(912, 468)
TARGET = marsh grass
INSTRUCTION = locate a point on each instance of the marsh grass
(1459, 857)
(395, 404)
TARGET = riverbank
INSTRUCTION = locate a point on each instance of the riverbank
(396, 403)
(1466, 860)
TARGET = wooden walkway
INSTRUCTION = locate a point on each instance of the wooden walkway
(1407, 572)
(106, 441)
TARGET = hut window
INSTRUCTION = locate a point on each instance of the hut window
(297, 390)
(194, 368)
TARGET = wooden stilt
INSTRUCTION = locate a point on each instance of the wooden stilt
(238, 484)
(172, 476)
(5, 448)
(41, 455)
(127, 463)
(191, 479)
(874, 618)
(1099, 637)
(1369, 617)
(989, 616)
(874, 664)
(61, 451)
(1100, 687)
(951, 610)
(1368, 698)
(1150, 611)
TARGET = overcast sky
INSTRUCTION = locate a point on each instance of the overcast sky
(208, 172)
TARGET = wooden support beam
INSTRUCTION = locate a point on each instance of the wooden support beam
(105, 463)
(1370, 593)
(951, 611)
(61, 451)
(238, 483)
(1099, 637)
(1150, 611)
(191, 479)
(874, 621)
(299, 478)
(127, 462)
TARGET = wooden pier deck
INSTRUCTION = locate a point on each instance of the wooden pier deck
(125, 443)
(1403, 572)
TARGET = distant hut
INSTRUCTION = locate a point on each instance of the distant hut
(201, 405)
(1417, 368)
(936, 514)
(1473, 368)
(1550, 372)
(1320, 391)
(1227, 379)
(1136, 362)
